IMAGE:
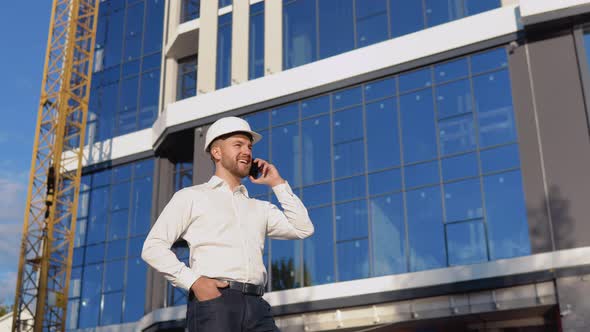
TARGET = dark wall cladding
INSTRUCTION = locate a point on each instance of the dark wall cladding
(126, 77)
(415, 171)
(314, 29)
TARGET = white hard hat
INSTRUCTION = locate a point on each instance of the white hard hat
(230, 124)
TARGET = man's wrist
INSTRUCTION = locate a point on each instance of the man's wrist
(277, 183)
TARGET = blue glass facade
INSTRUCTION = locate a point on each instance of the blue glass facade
(190, 10)
(126, 78)
(314, 29)
(186, 86)
(256, 41)
(411, 172)
(113, 220)
(224, 40)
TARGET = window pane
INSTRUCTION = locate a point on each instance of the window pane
(97, 220)
(506, 215)
(350, 188)
(457, 135)
(112, 309)
(427, 249)
(116, 249)
(459, 167)
(451, 70)
(380, 89)
(118, 225)
(383, 136)
(140, 206)
(501, 158)
(494, 104)
(454, 98)
(114, 40)
(467, 243)
(94, 254)
(284, 114)
(407, 16)
(353, 260)
(314, 106)
(479, 6)
(258, 120)
(336, 27)
(389, 235)
(187, 78)
(422, 174)
(224, 40)
(417, 116)
(463, 200)
(75, 282)
(91, 287)
(120, 196)
(351, 220)
(148, 101)
(318, 249)
(348, 125)
(349, 158)
(190, 10)
(489, 60)
(144, 168)
(154, 23)
(286, 152)
(285, 264)
(135, 290)
(346, 98)
(256, 47)
(114, 276)
(135, 245)
(418, 79)
(371, 22)
(72, 315)
(299, 33)
(384, 182)
(320, 194)
(439, 12)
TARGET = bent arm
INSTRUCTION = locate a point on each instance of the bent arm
(170, 226)
(294, 222)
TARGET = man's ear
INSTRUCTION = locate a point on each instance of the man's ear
(216, 152)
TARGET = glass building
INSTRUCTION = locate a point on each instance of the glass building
(441, 147)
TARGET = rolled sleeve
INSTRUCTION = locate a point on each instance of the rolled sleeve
(291, 223)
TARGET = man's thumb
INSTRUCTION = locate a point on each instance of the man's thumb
(221, 284)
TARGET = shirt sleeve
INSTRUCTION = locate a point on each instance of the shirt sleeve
(169, 227)
(291, 223)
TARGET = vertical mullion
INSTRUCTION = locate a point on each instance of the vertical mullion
(403, 175)
(333, 187)
(439, 164)
(478, 156)
(366, 174)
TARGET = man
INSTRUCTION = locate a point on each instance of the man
(225, 231)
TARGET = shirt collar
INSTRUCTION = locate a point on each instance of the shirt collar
(217, 182)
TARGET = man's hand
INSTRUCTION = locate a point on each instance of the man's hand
(207, 289)
(269, 174)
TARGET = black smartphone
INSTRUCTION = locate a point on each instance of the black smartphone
(254, 170)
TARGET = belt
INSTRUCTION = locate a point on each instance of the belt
(245, 288)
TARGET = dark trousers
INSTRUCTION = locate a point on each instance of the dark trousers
(233, 311)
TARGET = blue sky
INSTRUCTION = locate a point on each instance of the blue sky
(23, 39)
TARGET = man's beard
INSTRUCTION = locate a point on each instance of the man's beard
(233, 166)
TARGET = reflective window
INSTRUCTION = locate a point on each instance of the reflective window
(190, 10)
(336, 28)
(256, 40)
(379, 163)
(224, 37)
(223, 3)
(316, 29)
(128, 45)
(108, 268)
(318, 260)
(187, 78)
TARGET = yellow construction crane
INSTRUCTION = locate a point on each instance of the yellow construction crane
(50, 217)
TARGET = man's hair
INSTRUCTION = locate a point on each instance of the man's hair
(223, 138)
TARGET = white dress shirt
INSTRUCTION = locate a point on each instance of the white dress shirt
(225, 232)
